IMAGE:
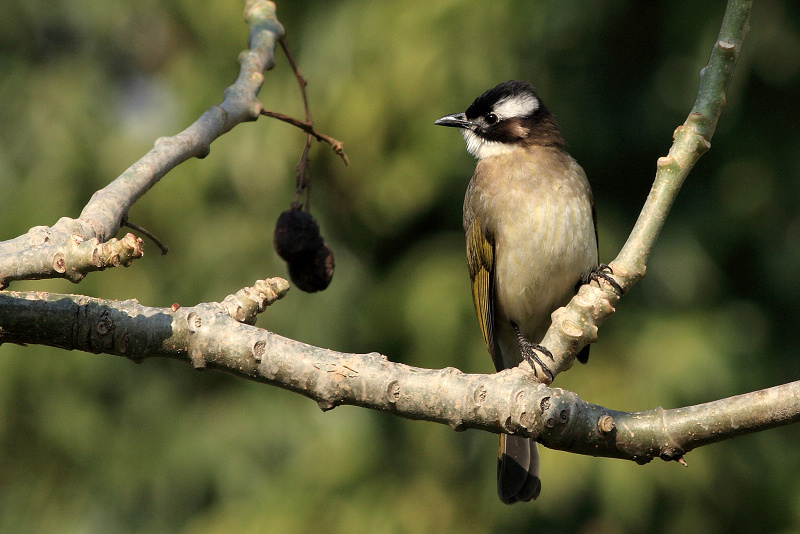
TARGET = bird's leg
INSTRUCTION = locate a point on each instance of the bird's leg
(604, 272)
(528, 351)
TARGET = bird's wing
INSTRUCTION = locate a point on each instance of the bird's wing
(480, 259)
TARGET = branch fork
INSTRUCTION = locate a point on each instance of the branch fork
(221, 335)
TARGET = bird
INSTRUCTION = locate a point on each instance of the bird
(531, 237)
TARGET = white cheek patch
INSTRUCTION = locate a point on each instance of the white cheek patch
(516, 106)
(481, 148)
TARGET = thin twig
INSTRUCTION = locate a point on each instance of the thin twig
(304, 175)
(303, 168)
(300, 78)
(147, 233)
(335, 144)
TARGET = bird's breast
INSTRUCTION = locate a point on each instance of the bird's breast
(537, 207)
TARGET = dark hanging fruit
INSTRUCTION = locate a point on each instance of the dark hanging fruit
(298, 241)
(296, 234)
(313, 273)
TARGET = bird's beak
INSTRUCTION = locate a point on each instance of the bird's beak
(456, 120)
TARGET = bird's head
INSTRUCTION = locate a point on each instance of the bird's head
(503, 119)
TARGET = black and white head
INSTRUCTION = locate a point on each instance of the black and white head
(504, 118)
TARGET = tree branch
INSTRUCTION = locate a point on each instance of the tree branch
(221, 335)
(102, 216)
(73, 258)
(216, 336)
(575, 325)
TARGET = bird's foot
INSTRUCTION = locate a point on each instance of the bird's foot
(528, 350)
(604, 272)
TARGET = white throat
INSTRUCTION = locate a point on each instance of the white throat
(481, 148)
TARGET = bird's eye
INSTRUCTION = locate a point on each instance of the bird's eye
(491, 118)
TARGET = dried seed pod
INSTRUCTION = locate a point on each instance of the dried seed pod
(297, 240)
(296, 234)
(313, 271)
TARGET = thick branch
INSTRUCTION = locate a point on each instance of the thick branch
(576, 324)
(102, 216)
(215, 336)
(74, 258)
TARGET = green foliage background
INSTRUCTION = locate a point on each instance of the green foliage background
(97, 444)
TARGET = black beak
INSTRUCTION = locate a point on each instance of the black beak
(456, 120)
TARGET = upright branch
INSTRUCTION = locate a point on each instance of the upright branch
(576, 324)
(691, 140)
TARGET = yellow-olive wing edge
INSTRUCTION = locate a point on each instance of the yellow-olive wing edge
(480, 259)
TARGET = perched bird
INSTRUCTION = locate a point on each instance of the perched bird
(529, 221)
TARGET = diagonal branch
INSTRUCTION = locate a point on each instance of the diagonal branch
(102, 216)
(692, 140)
(576, 324)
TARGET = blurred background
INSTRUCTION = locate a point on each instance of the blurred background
(95, 443)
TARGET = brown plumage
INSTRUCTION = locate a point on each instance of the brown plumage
(530, 237)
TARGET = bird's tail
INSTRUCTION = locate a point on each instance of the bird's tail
(517, 469)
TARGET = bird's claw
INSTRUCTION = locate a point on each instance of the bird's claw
(528, 350)
(604, 272)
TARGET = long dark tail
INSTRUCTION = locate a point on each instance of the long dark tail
(517, 469)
